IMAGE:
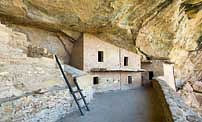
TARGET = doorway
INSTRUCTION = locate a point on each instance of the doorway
(151, 75)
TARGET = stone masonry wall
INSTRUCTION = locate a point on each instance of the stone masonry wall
(156, 66)
(31, 89)
(109, 81)
(175, 109)
(113, 56)
(52, 42)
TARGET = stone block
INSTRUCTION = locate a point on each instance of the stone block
(197, 86)
(174, 107)
(199, 98)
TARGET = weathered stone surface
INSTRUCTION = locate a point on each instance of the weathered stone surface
(170, 29)
(114, 20)
(197, 86)
(190, 99)
(55, 43)
(191, 95)
(199, 98)
(187, 87)
(159, 28)
(193, 118)
(175, 108)
(38, 52)
(31, 89)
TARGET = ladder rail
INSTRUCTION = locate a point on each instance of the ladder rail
(81, 94)
(68, 84)
(63, 74)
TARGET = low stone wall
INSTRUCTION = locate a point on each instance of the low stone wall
(40, 107)
(174, 108)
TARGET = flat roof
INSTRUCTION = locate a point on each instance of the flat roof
(116, 70)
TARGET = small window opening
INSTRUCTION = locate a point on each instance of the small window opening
(125, 61)
(151, 75)
(130, 79)
(95, 80)
(100, 56)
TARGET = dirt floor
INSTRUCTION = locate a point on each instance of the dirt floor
(138, 105)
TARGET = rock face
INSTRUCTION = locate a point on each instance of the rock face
(158, 28)
(175, 109)
(191, 93)
(32, 88)
(197, 86)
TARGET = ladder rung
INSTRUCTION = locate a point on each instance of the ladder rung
(81, 98)
(70, 87)
(77, 91)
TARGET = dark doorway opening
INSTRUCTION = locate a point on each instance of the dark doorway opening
(95, 80)
(130, 79)
(151, 75)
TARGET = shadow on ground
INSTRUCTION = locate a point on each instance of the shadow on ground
(138, 105)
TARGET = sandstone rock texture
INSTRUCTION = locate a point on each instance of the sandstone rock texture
(32, 88)
(197, 86)
(191, 94)
(175, 109)
(157, 28)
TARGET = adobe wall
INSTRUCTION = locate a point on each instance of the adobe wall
(107, 81)
(175, 110)
(169, 75)
(116, 80)
(136, 80)
(113, 56)
(133, 60)
(156, 66)
(91, 46)
(77, 55)
(145, 78)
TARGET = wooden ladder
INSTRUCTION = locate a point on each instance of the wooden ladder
(72, 91)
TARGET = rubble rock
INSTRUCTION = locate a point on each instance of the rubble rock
(156, 29)
(187, 87)
(174, 105)
(190, 99)
(197, 86)
(199, 98)
(31, 89)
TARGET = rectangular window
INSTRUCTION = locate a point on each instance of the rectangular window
(125, 61)
(100, 56)
(95, 80)
(151, 75)
(130, 79)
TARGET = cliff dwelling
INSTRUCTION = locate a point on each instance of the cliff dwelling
(100, 61)
(107, 64)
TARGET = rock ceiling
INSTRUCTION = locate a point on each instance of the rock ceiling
(157, 28)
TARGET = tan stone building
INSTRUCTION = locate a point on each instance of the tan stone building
(112, 67)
